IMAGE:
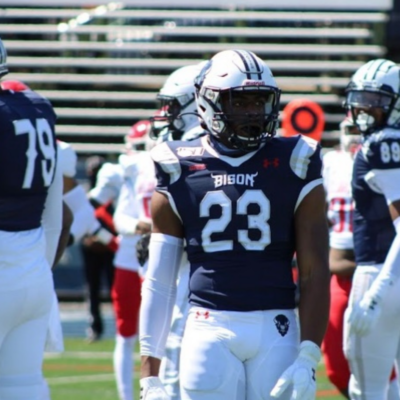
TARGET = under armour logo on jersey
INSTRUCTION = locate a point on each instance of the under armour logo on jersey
(282, 324)
(272, 162)
(313, 374)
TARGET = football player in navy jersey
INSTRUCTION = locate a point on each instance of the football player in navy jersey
(244, 201)
(372, 319)
(31, 212)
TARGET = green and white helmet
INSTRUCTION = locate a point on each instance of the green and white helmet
(3, 60)
(375, 84)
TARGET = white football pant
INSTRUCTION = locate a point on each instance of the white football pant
(54, 338)
(236, 355)
(371, 358)
(24, 316)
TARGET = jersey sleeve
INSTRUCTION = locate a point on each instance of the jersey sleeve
(306, 163)
(108, 184)
(382, 153)
(167, 166)
(306, 159)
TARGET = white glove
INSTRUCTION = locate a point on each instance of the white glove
(301, 374)
(363, 316)
(151, 388)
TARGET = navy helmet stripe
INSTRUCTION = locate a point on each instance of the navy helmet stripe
(248, 74)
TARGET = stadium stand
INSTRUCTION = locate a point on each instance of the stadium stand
(102, 65)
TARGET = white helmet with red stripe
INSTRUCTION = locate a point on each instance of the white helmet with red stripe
(15, 86)
(138, 138)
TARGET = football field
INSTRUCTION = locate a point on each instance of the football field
(85, 372)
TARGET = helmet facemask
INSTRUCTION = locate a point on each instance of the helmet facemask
(238, 99)
(245, 116)
(177, 114)
(370, 109)
(372, 96)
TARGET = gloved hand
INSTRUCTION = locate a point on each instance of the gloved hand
(142, 248)
(151, 388)
(362, 316)
(301, 374)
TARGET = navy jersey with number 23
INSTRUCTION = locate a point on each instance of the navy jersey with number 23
(27, 158)
(238, 217)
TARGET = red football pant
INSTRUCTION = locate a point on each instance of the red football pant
(337, 368)
(126, 297)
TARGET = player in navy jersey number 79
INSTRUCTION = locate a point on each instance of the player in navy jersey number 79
(31, 212)
(372, 319)
(244, 201)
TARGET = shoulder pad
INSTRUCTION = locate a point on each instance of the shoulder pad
(163, 156)
(301, 154)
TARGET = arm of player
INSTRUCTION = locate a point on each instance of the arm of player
(127, 225)
(364, 316)
(158, 293)
(67, 220)
(56, 223)
(312, 245)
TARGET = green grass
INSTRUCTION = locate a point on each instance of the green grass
(85, 372)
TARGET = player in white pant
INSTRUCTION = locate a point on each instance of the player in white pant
(372, 319)
(223, 196)
(177, 99)
(131, 219)
(31, 212)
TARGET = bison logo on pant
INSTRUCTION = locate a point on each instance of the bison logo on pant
(282, 324)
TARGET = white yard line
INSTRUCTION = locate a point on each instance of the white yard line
(66, 380)
(85, 354)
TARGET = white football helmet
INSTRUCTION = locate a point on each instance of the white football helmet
(350, 137)
(237, 70)
(138, 138)
(3, 60)
(376, 84)
(178, 105)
